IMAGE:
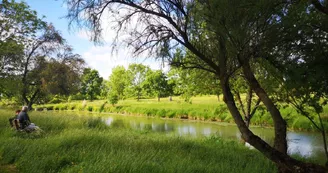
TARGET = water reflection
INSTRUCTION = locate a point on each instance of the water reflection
(300, 143)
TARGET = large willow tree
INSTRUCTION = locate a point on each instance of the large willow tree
(225, 36)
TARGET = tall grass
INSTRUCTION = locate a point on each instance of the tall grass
(77, 143)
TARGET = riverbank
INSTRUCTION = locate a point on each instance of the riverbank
(72, 143)
(204, 108)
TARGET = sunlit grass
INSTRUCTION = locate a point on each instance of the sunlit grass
(80, 143)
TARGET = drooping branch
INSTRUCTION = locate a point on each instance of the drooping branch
(173, 13)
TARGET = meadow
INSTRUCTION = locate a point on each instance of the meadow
(204, 108)
(73, 142)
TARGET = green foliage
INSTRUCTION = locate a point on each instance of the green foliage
(77, 96)
(302, 123)
(90, 108)
(113, 98)
(118, 81)
(136, 76)
(223, 36)
(91, 83)
(156, 84)
(188, 83)
(62, 76)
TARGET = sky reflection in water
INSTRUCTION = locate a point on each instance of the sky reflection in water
(300, 143)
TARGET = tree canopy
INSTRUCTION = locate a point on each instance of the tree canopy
(224, 37)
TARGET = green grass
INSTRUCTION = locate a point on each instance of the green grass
(206, 108)
(81, 143)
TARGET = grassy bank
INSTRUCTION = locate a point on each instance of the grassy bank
(202, 108)
(72, 143)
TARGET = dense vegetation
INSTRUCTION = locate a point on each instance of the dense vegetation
(73, 143)
(204, 108)
(267, 58)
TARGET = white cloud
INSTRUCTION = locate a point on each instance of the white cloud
(103, 59)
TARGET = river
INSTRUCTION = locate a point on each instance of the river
(305, 144)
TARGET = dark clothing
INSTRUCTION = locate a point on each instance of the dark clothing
(24, 119)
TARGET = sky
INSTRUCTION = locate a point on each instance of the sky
(101, 58)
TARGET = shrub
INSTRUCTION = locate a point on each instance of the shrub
(90, 108)
(50, 107)
(63, 106)
(71, 107)
(161, 113)
(171, 114)
(113, 99)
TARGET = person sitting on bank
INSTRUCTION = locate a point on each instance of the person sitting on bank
(24, 119)
(13, 118)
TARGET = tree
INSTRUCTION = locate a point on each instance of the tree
(192, 82)
(156, 82)
(118, 81)
(224, 36)
(249, 105)
(62, 75)
(113, 98)
(136, 75)
(34, 40)
(35, 52)
(17, 23)
(104, 89)
(300, 56)
(91, 83)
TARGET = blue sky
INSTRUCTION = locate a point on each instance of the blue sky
(100, 58)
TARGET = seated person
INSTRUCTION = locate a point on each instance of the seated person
(13, 118)
(24, 119)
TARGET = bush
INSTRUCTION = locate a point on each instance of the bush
(50, 107)
(71, 107)
(113, 99)
(90, 108)
(63, 107)
(171, 113)
(161, 113)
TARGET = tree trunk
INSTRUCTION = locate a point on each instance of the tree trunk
(247, 121)
(323, 133)
(280, 126)
(138, 97)
(33, 99)
(249, 101)
(281, 159)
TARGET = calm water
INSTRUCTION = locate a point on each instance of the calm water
(301, 143)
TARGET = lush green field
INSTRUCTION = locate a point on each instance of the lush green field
(80, 143)
(201, 108)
